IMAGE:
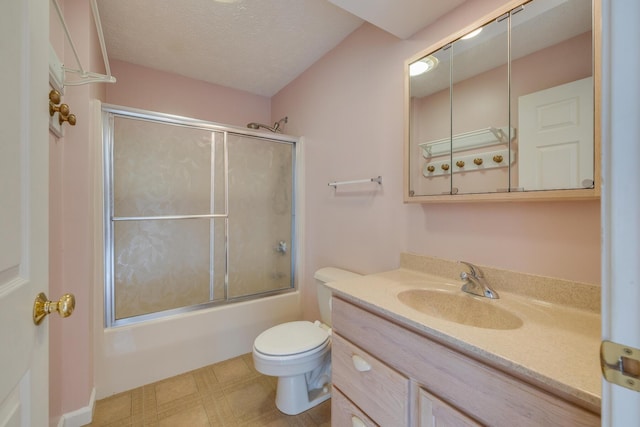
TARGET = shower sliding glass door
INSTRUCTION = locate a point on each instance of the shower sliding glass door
(196, 215)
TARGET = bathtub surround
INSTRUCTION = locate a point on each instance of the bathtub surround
(181, 342)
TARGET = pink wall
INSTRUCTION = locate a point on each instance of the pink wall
(71, 226)
(349, 107)
(148, 89)
(71, 221)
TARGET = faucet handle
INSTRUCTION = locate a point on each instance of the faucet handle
(475, 271)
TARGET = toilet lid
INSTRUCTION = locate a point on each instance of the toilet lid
(290, 338)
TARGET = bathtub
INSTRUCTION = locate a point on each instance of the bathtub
(130, 356)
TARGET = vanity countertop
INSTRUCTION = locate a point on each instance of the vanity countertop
(556, 348)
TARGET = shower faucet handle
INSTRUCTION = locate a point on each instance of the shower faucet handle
(281, 247)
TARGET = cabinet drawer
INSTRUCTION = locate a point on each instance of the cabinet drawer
(379, 391)
(490, 395)
(346, 414)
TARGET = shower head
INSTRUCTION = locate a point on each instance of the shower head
(275, 128)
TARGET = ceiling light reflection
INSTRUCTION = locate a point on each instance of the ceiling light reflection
(472, 34)
(427, 63)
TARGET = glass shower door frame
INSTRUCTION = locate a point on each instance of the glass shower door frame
(109, 113)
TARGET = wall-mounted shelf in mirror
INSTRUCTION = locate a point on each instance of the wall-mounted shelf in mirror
(523, 90)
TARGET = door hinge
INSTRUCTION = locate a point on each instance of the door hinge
(620, 364)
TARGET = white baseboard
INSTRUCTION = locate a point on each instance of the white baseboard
(79, 417)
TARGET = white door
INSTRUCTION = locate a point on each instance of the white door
(555, 136)
(24, 157)
(621, 197)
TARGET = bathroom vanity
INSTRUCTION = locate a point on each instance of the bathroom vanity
(403, 363)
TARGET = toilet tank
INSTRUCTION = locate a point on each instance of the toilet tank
(326, 275)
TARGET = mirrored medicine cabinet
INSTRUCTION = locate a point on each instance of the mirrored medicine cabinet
(507, 108)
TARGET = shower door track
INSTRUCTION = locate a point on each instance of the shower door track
(165, 217)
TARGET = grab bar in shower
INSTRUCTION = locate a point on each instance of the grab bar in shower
(335, 184)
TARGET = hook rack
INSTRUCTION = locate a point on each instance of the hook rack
(469, 163)
(62, 109)
(468, 140)
(335, 184)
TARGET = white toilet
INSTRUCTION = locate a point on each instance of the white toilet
(298, 353)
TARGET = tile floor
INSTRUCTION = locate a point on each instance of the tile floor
(229, 393)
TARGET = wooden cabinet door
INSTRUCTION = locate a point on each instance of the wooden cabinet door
(436, 413)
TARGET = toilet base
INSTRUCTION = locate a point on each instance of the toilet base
(292, 396)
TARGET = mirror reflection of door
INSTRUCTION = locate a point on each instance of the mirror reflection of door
(551, 47)
(556, 137)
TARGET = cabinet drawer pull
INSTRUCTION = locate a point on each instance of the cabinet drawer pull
(360, 364)
(357, 422)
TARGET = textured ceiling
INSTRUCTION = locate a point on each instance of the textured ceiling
(258, 46)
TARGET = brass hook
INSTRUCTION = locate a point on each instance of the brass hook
(55, 97)
(70, 118)
(62, 109)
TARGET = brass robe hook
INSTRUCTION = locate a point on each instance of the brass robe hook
(62, 109)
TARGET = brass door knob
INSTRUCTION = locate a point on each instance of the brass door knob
(431, 168)
(445, 167)
(497, 158)
(42, 306)
(477, 161)
(460, 163)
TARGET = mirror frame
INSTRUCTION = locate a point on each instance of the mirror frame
(534, 195)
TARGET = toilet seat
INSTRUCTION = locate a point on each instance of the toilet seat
(291, 338)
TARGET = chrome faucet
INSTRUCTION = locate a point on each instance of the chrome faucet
(475, 282)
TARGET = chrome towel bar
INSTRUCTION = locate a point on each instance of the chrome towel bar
(335, 184)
